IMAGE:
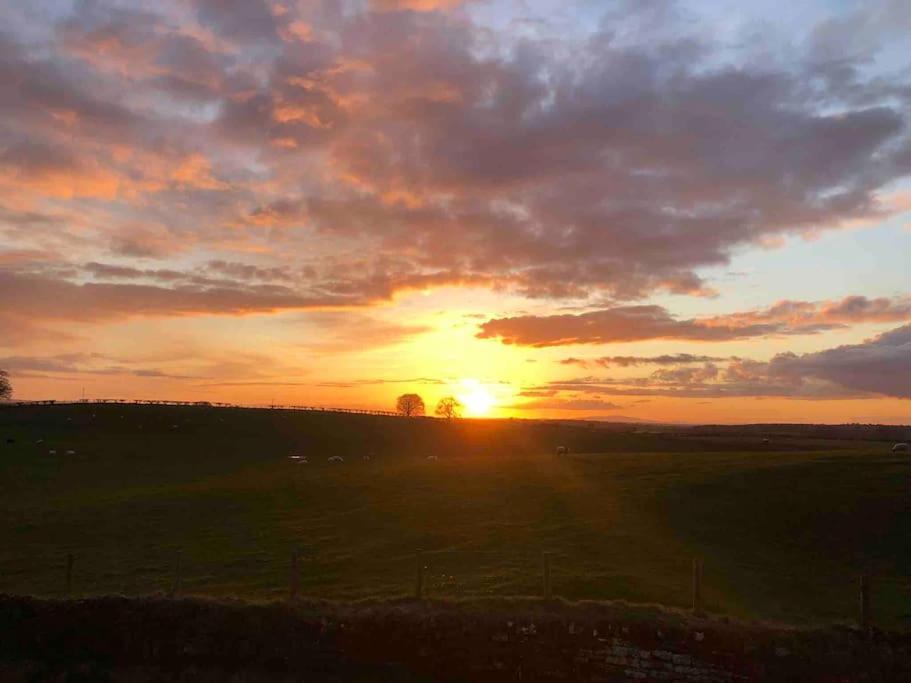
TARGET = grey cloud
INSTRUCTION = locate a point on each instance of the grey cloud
(878, 367)
(51, 298)
(881, 365)
(243, 20)
(636, 323)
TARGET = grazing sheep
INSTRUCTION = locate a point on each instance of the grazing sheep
(336, 458)
(766, 442)
(432, 457)
(562, 450)
(71, 452)
(900, 448)
(52, 452)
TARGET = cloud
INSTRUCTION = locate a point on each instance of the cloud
(618, 163)
(881, 365)
(242, 20)
(878, 367)
(631, 361)
(17, 330)
(145, 241)
(54, 172)
(79, 364)
(420, 5)
(344, 331)
(44, 297)
(568, 404)
(637, 323)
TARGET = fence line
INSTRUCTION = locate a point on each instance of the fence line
(201, 404)
(422, 564)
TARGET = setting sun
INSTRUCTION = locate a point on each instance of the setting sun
(478, 401)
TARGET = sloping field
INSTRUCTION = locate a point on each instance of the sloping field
(210, 494)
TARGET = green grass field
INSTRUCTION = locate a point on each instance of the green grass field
(784, 529)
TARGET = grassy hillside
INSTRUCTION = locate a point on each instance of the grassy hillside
(784, 528)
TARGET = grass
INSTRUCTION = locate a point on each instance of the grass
(784, 529)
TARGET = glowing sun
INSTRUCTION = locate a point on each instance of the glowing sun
(476, 398)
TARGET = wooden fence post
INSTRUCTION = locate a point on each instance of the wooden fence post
(69, 574)
(864, 621)
(175, 588)
(697, 587)
(294, 582)
(419, 581)
(547, 585)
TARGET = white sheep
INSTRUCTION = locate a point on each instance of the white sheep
(432, 457)
(336, 458)
(900, 448)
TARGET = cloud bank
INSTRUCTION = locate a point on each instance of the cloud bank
(638, 323)
(878, 367)
(397, 144)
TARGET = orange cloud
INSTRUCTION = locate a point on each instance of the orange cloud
(196, 171)
(420, 5)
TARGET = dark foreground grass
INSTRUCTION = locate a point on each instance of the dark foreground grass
(784, 529)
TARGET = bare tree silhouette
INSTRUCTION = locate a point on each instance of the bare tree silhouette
(448, 407)
(6, 389)
(409, 405)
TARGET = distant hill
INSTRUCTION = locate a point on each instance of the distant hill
(866, 432)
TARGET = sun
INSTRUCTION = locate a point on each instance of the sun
(478, 401)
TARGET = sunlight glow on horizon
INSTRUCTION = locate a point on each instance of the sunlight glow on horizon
(478, 401)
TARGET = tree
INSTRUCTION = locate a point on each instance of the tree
(6, 389)
(409, 405)
(448, 407)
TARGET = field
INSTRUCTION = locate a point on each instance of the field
(784, 528)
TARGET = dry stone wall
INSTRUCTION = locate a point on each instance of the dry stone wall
(187, 639)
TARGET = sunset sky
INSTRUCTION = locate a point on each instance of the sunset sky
(696, 211)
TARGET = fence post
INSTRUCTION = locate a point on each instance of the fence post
(175, 588)
(547, 585)
(69, 574)
(697, 587)
(419, 582)
(295, 578)
(864, 603)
